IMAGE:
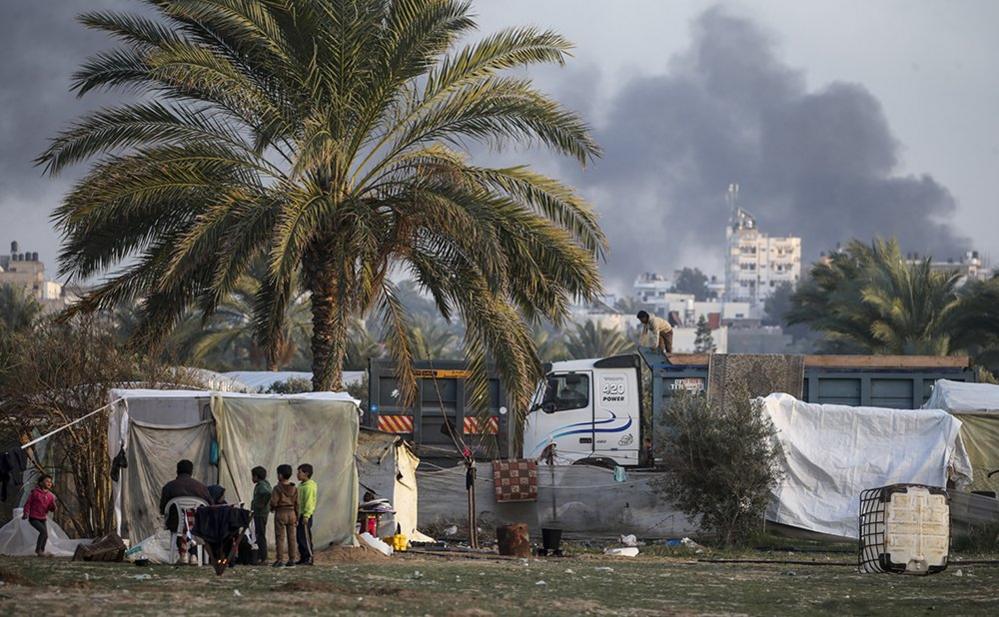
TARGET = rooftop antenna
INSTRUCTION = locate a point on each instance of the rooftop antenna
(732, 198)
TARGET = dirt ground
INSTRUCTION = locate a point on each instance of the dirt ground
(352, 582)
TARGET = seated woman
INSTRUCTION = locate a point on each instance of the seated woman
(217, 493)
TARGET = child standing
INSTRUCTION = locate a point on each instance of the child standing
(260, 505)
(40, 502)
(308, 494)
(284, 505)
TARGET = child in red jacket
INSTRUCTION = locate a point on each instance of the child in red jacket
(40, 502)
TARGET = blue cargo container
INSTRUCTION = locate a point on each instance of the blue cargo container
(900, 382)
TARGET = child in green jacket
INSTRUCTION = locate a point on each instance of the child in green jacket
(308, 494)
(260, 505)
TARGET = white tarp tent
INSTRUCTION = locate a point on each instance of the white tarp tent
(159, 427)
(833, 452)
(18, 537)
(164, 426)
(961, 396)
(976, 405)
(387, 467)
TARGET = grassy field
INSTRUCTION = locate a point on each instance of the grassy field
(354, 583)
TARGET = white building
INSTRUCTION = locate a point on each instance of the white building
(970, 267)
(755, 263)
(684, 339)
(651, 288)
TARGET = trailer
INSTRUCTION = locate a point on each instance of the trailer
(442, 412)
(596, 408)
(898, 382)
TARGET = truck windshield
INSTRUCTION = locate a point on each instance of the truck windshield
(567, 391)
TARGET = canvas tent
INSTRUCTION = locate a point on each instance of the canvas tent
(387, 466)
(225, 435)
(833, 452)
(976, 405)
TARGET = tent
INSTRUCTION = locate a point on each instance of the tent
(833, 452)
(17, 538)
(976, 405)
(225, 435)
(386, 466)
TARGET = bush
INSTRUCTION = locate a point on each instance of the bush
(295, 385)
(982, 538)
(722, 463)
(58, 372)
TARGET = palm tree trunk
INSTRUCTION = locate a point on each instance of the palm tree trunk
(329, 331)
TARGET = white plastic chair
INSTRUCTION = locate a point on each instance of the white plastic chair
(183, 505)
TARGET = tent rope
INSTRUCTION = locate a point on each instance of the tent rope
(64, 427)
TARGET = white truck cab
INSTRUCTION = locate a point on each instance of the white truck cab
(588, 409)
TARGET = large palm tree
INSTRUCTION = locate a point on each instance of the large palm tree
(326, 135)
(870, 299)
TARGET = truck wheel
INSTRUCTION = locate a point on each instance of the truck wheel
(597, 461)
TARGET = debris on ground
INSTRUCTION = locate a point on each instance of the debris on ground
(375, 543)
(627, 551)
(694, 546)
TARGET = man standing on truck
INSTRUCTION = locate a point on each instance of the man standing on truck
(660, 329)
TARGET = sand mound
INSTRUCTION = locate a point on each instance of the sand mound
(348, 554)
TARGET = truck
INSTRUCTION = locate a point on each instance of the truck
(442, 412)
(597, 410)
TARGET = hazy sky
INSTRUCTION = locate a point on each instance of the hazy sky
(839, 119)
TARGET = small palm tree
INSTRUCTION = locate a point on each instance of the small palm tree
(18, 308)
(549, 343)
(433, 339)
(630, 305)
(591, 340)
(228, 336)
(325, 136)
(361, 346)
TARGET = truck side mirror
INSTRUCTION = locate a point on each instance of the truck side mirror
(548, 407)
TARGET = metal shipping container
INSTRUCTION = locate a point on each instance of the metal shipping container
(870, 381)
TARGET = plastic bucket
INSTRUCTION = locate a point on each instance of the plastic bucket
(551, 539)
